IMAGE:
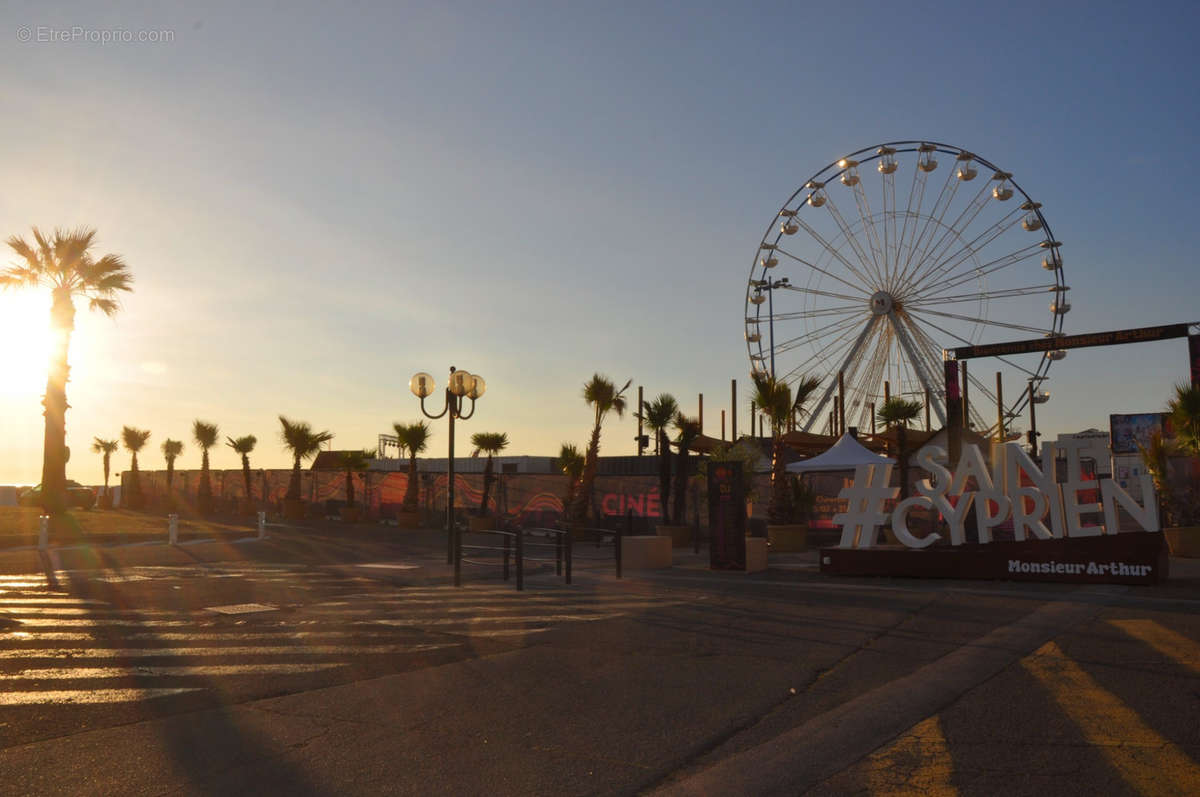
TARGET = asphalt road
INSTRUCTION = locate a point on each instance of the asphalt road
(361, 670)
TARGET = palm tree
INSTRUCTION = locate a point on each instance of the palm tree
(354, 462)
(205, 435)
(659, 415)
(1184, 409)
(689, 430)
(898, 412)
(299, 438)
(243, 446)
(107, 448)
(490, 443)
(171, 450)
(780, 402)
(65, 265)
(413, 438)
(135, 440)
(604, 398)
(570, 460)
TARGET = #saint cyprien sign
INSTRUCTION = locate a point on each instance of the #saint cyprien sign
(1043, 509)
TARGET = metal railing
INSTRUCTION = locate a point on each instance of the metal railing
(512, 551)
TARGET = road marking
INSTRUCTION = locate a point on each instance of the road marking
(172, 636)
(916, 764)
(1164, 640)
(539, 618)
(77, 654)
(88, 696)
(1151, 764)
(242, 608)
(85, 673)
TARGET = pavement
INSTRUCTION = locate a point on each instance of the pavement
(341, 660)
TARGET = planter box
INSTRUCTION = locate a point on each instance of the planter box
(408, 520)
(756, 554)
(645, 552)
(788, 539)
(681, 536)
(1184, 541)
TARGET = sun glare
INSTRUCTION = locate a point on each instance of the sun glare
(24, 342)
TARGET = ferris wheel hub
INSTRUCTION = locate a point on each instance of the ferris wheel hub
(882, 303)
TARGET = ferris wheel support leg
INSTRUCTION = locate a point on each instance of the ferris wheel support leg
(907, 344)
(862, 336)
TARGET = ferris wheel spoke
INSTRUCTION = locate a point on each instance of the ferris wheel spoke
(964, 252)
(990, 267)
(1005, 293)
(917, 254)
(815, 292)
(832, 328)
(973, 320)
(911, 350)
(889, 227)
(832, 251)
(932, 256)
(831, 383)
(903, 243)
(868, 225)
(819, 313)
(851, 239)
(967, 342)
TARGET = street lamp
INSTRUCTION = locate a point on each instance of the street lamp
(770, 287)
(461, 384)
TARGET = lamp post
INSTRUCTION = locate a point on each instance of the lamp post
(461, 384)
(770, 287)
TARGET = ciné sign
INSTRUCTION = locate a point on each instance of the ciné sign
(1043, 509)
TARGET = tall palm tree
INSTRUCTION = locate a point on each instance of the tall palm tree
(64, 264)
(135, 441)
(489, 443)
(303, 443)
(243, 446)
(658, 415)
(107, 448)
(780, 402)
(899, 412)
(603, 397)
(171, 450)
(353, 462)
(205, 435)
(689, 430)
(570, 460)
(413, 438)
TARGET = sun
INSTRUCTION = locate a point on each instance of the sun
(24, 342)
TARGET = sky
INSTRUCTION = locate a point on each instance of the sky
(318, 200)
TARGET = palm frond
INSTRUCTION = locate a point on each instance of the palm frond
(205, 434)
(102, 446)
(898, 410)
(242, 445)
(134, 439)
(172, 449)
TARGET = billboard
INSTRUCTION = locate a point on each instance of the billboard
(1128, 432)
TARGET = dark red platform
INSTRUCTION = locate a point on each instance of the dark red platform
(1134, 557)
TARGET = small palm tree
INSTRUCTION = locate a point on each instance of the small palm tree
(603, 397)
(899, 412)
(243, 446)
(303, 443)
(64, 264)
(354, 462)
(689, 430)
(134, 440)
(1184, 409)
(570, 460)
(781, 403)
(659, 415)
(107, 448)
(489, 443)
(171, 450)
(413, 438)
(205, 435)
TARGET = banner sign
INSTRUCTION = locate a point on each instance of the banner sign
(1139, 335)
(726, 516)
(1129, 432)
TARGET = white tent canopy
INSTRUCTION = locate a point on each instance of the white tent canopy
(846, 454)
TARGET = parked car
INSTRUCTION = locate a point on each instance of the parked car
(77, 495)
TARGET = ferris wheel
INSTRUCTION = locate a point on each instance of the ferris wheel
(891, 254)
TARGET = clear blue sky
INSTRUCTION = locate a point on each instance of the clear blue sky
(319, 200)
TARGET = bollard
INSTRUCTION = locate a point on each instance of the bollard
(43, 532)
(173, 529)
(262, 525)
(520, 560)
(507, 545)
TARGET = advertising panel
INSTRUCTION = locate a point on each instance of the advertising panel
(1128, 432)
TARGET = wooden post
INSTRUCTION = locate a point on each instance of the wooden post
(700, 417)
(1033, 444)
(966, 404)
(927, 402)
(722, 426)
(640, 406)
(999, 409)
(841, 430)
(872, 406)
(887, 392)
(733, 410)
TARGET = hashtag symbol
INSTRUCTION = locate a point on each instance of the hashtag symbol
(865, 497)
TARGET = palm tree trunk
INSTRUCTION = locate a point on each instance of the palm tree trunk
(349, 487)
(106, 474)
(779, 511)
(664, 474)
(410, 490)
(487, 486)
(204, 494)
(583, 495)
(54, 459)
(135, 486)
(170, 475)
(293, 493)
(246, 476)
(681, 476)
(902, 453)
